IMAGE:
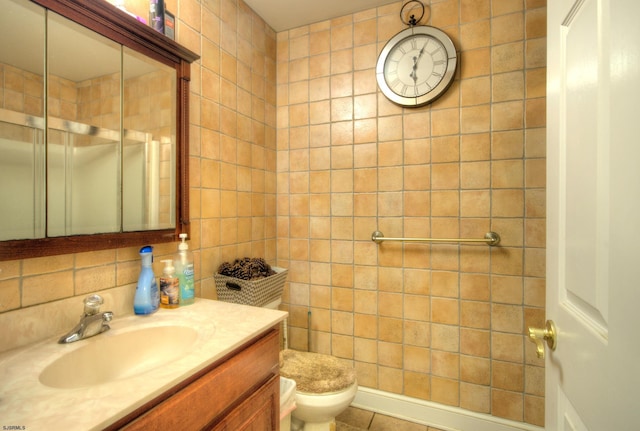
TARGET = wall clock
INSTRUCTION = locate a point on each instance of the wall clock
(416, 66)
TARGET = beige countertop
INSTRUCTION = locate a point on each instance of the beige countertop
(27, 403)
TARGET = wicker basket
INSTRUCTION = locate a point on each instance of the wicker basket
(251, 292)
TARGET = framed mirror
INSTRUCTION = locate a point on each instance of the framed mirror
(93, 130)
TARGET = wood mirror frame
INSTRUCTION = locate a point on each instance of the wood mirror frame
(107, 20)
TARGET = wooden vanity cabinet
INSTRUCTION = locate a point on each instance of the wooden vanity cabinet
(239, 392)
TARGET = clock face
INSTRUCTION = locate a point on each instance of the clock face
(416, 66)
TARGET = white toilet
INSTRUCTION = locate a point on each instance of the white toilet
(325, 387)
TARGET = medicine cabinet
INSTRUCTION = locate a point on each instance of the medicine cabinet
(93, 130)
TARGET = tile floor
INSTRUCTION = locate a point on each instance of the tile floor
(354, 419)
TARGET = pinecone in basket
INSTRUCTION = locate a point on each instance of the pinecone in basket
(246, 269)
(225, 269)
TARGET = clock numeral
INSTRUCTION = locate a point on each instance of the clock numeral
(391, 66)
(438, 49)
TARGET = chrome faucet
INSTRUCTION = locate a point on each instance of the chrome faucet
(92, 321)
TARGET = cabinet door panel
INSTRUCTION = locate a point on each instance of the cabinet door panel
(259, 412)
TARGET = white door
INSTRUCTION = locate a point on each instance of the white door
(593, 210)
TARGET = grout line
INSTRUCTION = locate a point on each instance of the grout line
(371, 420)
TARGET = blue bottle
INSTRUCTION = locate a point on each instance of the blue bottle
(147, 299)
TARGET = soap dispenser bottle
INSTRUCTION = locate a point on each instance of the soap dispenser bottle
(185, 272)
(169, 286)
(146, 300)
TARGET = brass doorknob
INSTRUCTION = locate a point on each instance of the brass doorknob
(538, 335)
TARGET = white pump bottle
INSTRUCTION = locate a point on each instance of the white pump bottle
(185, 271)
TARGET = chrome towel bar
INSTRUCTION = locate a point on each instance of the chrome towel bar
(490, 238)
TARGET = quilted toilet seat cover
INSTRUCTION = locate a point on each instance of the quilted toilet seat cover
(316, 373)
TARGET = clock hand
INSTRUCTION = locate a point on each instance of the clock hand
(413, 73)
(420, 53)
(416, 60)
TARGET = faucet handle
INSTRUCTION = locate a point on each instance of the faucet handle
(92, 304)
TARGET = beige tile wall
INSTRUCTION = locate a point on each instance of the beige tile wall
(444, 322)
(295, 153)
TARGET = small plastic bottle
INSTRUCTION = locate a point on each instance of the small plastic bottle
(169, 286)
(146, 300)
(185, 272)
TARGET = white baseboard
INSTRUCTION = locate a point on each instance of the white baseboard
(433, 414)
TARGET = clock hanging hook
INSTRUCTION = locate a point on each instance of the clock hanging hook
(409, 18)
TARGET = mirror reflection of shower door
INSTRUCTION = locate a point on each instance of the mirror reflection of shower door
(149, 106)
(22, 186)
(22, 177)
(83, 162)
(134, 183)
(83, 190)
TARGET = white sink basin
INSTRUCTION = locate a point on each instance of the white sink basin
(108, 357)
(93, 383)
